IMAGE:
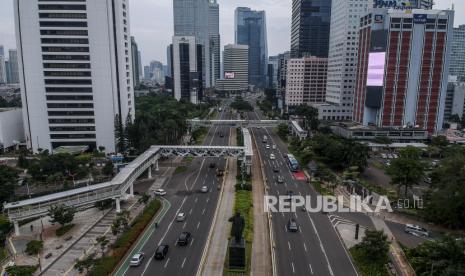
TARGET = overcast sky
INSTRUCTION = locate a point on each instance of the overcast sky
(152, 23)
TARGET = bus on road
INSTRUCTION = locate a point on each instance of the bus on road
(292, 162)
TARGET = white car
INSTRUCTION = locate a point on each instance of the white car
(274, 147)
(272, 157)
(267, 146)
(181, 217)
(136, 260)
(204, 189)
(160, 192)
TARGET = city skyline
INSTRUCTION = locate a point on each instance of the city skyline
(145, 26)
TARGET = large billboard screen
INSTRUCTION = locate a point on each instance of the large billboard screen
(229, 75)
(376, 63)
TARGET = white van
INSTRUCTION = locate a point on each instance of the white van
(416, 230)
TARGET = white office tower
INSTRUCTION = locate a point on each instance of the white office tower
(191, 19)
(342, 58)
(236, 69)
(3, 70)
(75, 71)
(214, 33)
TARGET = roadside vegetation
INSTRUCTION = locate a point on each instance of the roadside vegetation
(240, 105)
(63, 215)
(371, 255)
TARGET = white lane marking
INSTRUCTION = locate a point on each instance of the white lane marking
(311, 269)
(282, 213)
(182, 266)
(198, 225)
(295, 214)
(203, 211)
(285, 184)
(166, 232)
(190, 211)
(184, 225)
(192, 241)
(305, 247)
(300, 230)
(167, 261)
(285, 228)
(289, 244)
(208, 199)
(293, 268)
(196, 199)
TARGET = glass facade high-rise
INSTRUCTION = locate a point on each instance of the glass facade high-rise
(457, 58)
(250, 30)
(214, 34)
(12, 68)
(135, 62)
(310, 28)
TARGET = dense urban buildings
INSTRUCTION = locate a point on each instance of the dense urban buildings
(250, 30)
(310, 28)
(191, 18)
(455, 99)
(457, 59)
(342, 58)
(306, 81)
(214, 37)
(236, 68)
(135, 62)
(75, 72)
(187, 68)
(403, 68)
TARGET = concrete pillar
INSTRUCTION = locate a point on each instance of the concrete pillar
(156, 166)
(16, 226)
(131, 190)
(149, 170)
(118, 206)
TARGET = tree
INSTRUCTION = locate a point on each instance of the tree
(439, 141)
(372, 253)
(356, 154)
(120, 223)
(85, 264)
(439, 257)
(407, 169)
(5, 228)
(8, 180)
(102, 241)
(61, 214)
(101, 148)
(22, 161)
(119, 134)
(283, 131)
(144, 198)
(108, 169)
(34, 247)
(311, 116)
(21, 270)
(445, 202)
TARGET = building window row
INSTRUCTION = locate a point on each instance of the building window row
(71, 121)
(68, 89)
(64, 40)
(63, 15)
(70, 105)
(77, 128)
(67, 73)
(64, 32)
(65, 57)
(67, 65)
(68, 24)
(62, 7)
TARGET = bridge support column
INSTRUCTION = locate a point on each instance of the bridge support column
(149, 170)
(16, 226)
(118, 205)
(131, 190)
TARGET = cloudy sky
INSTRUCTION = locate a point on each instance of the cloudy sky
(152, 23)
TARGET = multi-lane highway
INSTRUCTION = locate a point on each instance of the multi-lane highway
(316, 248)
(184, 194)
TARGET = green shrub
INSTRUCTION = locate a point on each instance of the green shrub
(64, 229)
(245, 187)
(21, 270)
(34, 247)
(106, 265)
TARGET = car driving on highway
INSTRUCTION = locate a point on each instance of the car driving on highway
(181, 217)
(160, 192)
(161, 252)
(292, 225)
(272, 157)
(184, 239)
(204, 189)
(137, 259)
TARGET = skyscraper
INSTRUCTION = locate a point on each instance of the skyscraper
(214, 34)
(187, 69)
(310, 28)
(403, 67)
(2, 50)
(250, 30)
(342, 57)
(13, 70)
(169, 61)
(191, 18)
(135, 62)
(3, 70)
(457, 57)
(235, 66)
(75, 71)
(139, 59)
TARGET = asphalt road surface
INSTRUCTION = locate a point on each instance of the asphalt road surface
(183, 192)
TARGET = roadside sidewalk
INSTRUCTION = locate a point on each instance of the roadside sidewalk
(261, 248)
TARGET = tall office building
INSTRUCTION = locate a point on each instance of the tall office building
(306, 81)
(310, 28)
(2, 50)
(135, 62)
(250, 30)
(191, 18)
(457, 58)
(342, 58)
(214, 33)
(3, 70)
(187, 69)
(147, 73)
(169, 61)
(403, 68)
(455, 99)
(139, 59)
(236, 68)
(13, 70)
(75, 71)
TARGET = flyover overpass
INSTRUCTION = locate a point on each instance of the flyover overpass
(121, 186)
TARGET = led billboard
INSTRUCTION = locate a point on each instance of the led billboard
(229, 75)
(376, 63)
